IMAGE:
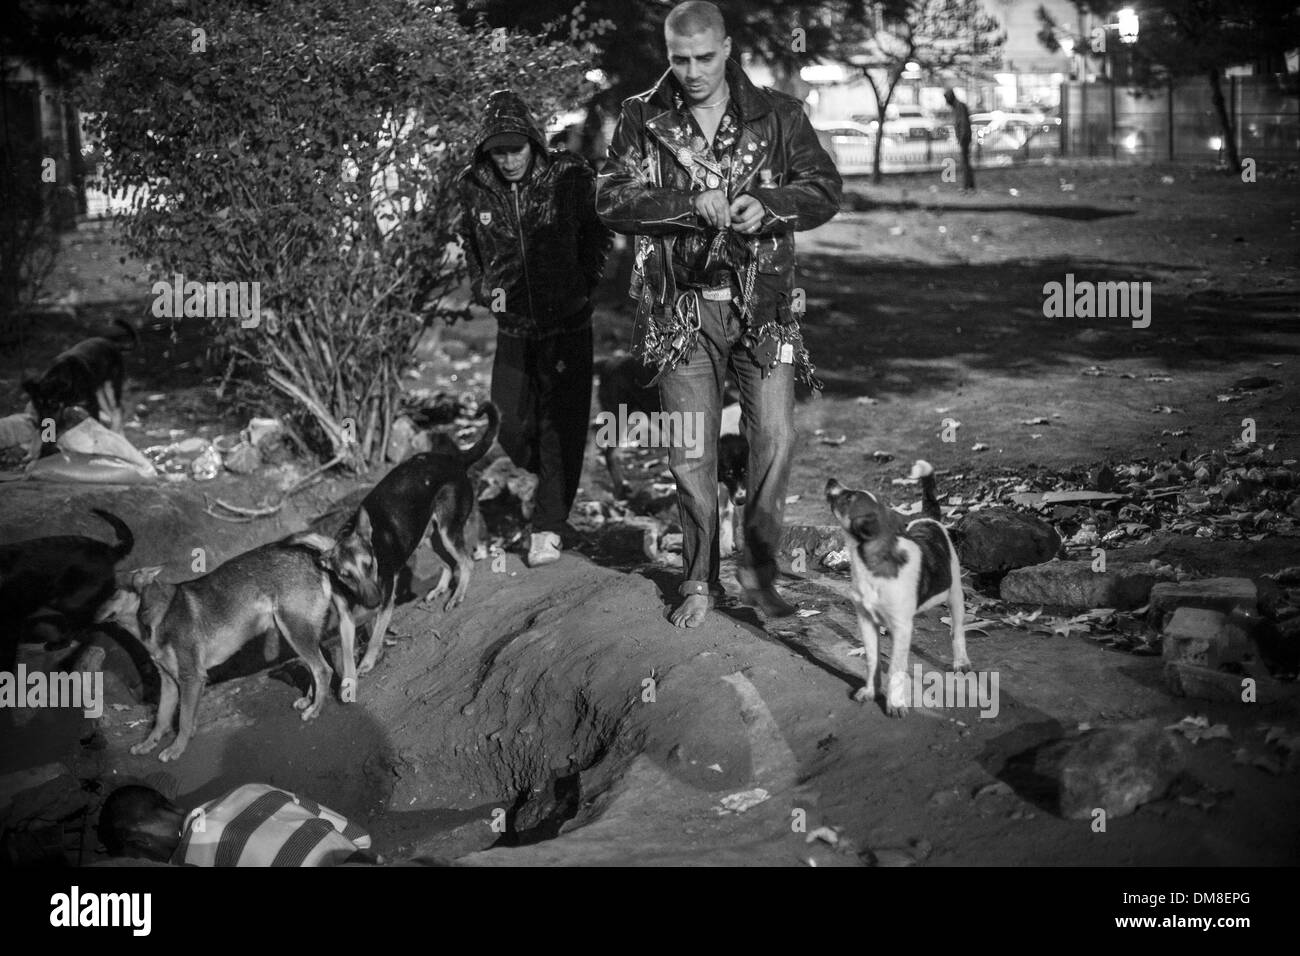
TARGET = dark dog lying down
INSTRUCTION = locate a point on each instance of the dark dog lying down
(88, 375)
(299, 588)
(69, 575)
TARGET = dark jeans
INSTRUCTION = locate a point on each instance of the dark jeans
(767, 409)
(968, 171)
(543, 388)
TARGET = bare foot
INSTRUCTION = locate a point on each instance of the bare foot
(691, 612)
(769, 602)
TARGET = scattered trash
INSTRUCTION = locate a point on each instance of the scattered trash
(742, 801)
(825, 834)
(1197, 729)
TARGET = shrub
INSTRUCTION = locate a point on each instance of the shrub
(312, 148)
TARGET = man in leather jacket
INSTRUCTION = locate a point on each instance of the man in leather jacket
(535, 250)
(713, 176)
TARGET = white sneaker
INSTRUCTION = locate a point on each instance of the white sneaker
(543, 548)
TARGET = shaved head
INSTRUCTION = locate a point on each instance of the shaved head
(698, 48)
(694, 16)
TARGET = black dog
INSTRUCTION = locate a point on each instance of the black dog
(428, 494)
(88, 375)
(70, 575)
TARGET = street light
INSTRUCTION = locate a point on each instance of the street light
(1126, 22)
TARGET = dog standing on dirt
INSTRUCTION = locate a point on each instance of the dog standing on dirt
(70, 575)
(897, 572)
(288, 587)
(89, 375)
(429, 494)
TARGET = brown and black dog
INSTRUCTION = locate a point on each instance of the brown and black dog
(296, 588)
(898, 570)
(428, 495)
(89, 375)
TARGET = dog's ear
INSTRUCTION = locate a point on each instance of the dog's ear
(364, 528)
(123, 604)
(312, 541)
(141, 578)
(864, 527)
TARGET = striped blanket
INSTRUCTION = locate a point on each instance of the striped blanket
(258, 825)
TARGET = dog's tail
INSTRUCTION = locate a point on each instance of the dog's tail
(480, 448)
(125, 539)
(135, 336)
(929, 500)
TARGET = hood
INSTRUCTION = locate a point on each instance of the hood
(506, 113)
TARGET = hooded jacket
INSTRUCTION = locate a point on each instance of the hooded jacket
(645, 190)
(535, 249)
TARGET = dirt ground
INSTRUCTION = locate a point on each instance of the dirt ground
(531, 700)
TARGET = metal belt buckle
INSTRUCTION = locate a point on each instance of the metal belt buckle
(720, 293)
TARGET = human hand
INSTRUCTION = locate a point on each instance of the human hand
(747, 214)
(711, 206)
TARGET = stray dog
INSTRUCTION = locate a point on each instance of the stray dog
(288, 587)
(88, 375)
(733, 472)
(69, 574)
(429, 494)
(897, 572)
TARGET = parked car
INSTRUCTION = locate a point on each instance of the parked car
(1001, 130)
(909, 123)
(849, 143)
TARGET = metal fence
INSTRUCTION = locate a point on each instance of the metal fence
(1179, 123)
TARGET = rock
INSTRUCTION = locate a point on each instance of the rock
(399, 439)
(672, 543)
(634, 539)
(243, 459)
(654, 497)
(1205, 683)
(1116, 769)
(1075, 584)
(817, 541)
(1218, 594)
(16, 431)
(48, 792)
(997, 540)
(1203, 637)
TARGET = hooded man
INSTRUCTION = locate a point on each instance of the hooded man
(713, 176)
(535, 251)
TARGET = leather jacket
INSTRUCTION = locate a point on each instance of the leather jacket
(646, 189)
(535, 250)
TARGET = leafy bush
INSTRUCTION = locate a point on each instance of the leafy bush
(312, 147)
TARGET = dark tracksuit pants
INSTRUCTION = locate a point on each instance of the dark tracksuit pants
(543, 388)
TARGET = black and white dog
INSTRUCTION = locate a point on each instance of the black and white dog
(898, 571)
